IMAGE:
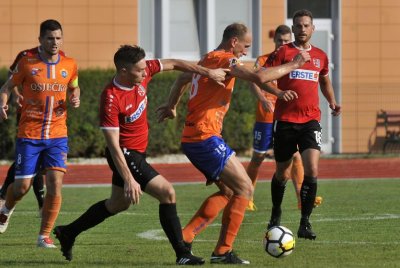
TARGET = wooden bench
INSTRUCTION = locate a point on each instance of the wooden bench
(390, 120)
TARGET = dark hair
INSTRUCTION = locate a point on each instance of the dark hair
(282, 29)
(49, 25)
(234, 30)
(127, 55)
(302, 13)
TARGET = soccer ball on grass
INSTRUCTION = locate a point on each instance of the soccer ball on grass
(279, 241)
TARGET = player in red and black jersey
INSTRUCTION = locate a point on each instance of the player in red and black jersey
(297, 126)
(123, 120)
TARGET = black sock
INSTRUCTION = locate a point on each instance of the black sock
(96, 214)
(172, 227)
(9, 179)
(307, 193)
(277, 191)
(38, 189)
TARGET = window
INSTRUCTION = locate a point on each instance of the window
(320, 9)
(189, 28)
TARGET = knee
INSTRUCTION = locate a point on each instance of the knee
(168, 195)
(248, 189)
(20, 190)
(257, 158)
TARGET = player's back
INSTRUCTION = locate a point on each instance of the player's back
(208, 101)
(44, 87)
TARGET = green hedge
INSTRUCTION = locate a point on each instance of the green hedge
(86, 139)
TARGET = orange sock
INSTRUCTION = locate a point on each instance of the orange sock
(297, 177)
(252, 171)
(51, 208)
(208, 211)
(231, 221)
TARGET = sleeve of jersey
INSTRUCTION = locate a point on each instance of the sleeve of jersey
(18, 73)
(16, 60)
(325, 68)
(275, 58)
(108, 111)
(154, 66)
(73, 83)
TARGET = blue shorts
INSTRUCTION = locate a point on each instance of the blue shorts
(46, 154)
(209, 156)
(263, 133)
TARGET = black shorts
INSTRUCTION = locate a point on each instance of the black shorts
(292, 137)
(141, 171)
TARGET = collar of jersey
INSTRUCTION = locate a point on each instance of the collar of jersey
(299, 48)
(120, 86)
(50, 63)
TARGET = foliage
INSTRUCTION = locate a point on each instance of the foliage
(86, 139)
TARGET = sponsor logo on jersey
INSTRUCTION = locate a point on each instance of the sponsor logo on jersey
(136, 114)
(49, 87)
(301, 74)
(64, 73)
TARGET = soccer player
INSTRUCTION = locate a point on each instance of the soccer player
(296, 126)
(42, 137)
(123, 120)
(38, 180)
(262, 138)
(202, 142)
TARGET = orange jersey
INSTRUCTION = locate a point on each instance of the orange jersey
(44, 87)
(262, 115)
(208, 101)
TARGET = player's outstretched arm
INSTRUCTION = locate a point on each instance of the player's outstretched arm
(218, 75)
(132, 189)
(168, 109)
(273, 73)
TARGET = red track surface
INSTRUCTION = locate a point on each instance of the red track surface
(185, 172)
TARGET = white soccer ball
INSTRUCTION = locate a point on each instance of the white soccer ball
(279, 241)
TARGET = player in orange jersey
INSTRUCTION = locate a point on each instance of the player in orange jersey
(262, 142)
(45, 79)
(202, 142)
(38, 180)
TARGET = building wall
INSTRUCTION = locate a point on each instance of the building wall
(93, 29)
(370, 55)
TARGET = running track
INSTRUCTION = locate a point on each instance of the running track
(185, 172)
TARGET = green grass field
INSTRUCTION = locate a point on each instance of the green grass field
(358, 225)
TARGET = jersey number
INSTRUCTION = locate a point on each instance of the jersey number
(318, 137)
(195, 85)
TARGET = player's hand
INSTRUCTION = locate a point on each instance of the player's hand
(132, 191)
(287, 95)
(302, 58)
(74, 100)
(267, 105)
(336, 109)
(218, 75)
(165, 112)
(3, 112)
